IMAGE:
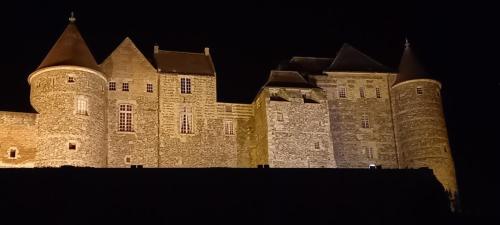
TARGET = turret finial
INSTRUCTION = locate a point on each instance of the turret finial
(72, 17)
(407, 43)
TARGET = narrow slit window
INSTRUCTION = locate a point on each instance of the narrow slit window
(186, 121)
(82, 106)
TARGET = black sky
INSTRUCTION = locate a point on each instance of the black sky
(247, 40)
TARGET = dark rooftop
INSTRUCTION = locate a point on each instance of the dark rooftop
(287, 79)
(349, 59)
(410, 68)
(184, 63)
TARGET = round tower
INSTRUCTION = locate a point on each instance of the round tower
(68, 92)
(421, 135)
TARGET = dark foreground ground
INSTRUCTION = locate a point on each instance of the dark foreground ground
(223, 196)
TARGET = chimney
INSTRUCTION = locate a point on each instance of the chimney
(156, 48)
(207, 51)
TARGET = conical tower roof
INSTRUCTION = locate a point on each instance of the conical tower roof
(70, 49)
(409, 67)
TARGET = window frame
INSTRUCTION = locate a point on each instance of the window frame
(112, 86)
(186, 121)
(149, 88)
(126, 118)
(342, 92)
(126, 86)
(82, 105)
(365, 121)
(13, 150)
(229, 128)
(378, 92)
(362, 93)
(419, 90)
(186, 85)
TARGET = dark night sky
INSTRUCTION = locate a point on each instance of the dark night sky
(247, 40)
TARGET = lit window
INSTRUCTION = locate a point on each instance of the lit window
(71, 79)
(125, 118)
(72, 145)
(186, 121)
(420, 90)
(316, 145)
(149, 88)
(377, 92)
(82, 106)
(342, 92)
(229, 108)
(185, 85)
(279, 116)
(127, 159)
(125, 87)
(13, 153)
(362, 92)
(112, 86)
(228, 127)
(364, 121)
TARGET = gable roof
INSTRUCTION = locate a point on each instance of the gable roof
(184, 62)
(349, 59)
(287, 79)
(410, 67)
(309, 65)
(128, 46)
(70, 49)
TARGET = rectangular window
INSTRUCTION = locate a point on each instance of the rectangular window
(128, 159)
(82, 106)
(125, 118)
(420, 90)
(72, 146)
(316, 145)
(364, 121)
(125, 86)
(228, 127)
(185, 85)
(362, 92)
(279, 116)
(12, 153)
(342, 92)
(377, 92)
(186, 121)
(112, 86)
(149, 88)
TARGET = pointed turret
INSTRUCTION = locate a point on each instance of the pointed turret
(71, 50)
(409, 67)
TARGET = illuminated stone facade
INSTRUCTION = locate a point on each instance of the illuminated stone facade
(347, 112)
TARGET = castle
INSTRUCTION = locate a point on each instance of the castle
(344, 112)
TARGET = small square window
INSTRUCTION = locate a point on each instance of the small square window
(149, 88)
(279, 116)
(127, 159)
(125, 87)
(228, 108)
(112, 86)
(316, 145)
(71, 79)
(72, 146)
(420, 90)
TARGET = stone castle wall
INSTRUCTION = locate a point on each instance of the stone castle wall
(18, 131)
(421, 133)
(356, 146)
(298, 129)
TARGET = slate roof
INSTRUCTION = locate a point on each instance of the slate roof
(70, 49)
(410, 68)
(184, 63)
(287, 79)
(349, 59)
(309, 65)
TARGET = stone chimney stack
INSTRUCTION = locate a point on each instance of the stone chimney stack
(156, 48)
